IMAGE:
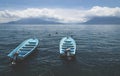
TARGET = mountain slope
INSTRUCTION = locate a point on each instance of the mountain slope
(104, 20)
(34, 21)
(95, 20)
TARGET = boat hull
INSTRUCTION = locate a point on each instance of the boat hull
(24, 49)
(67, 43)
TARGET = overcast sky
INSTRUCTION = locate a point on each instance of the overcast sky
(62, 10)
(5, 4)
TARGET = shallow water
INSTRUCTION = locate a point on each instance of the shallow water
(98, 50)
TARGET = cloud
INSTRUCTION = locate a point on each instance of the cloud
(59, 14)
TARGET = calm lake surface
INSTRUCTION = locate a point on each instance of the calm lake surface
(98, 50)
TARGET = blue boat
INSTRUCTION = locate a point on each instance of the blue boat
(23, 50)
(67, 47)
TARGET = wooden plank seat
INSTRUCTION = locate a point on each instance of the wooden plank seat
(25, 49)
(32, 42)
(23, 52)
(64, 47)
(70, 50)
(70, 46)
(30, 45)
(67, 44)
(68, 41)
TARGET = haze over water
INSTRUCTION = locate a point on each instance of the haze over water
(98, 50)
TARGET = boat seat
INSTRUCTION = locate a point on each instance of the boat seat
(23, 52)
(28, 47)
(67, 46)
(70, 50)
(25, 49)
(32, 42)
(68, 41)
(64, 47)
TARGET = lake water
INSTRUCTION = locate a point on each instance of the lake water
(98, 50)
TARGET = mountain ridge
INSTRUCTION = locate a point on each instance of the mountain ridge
(34, 21)
(94, 20)
(103, 20)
